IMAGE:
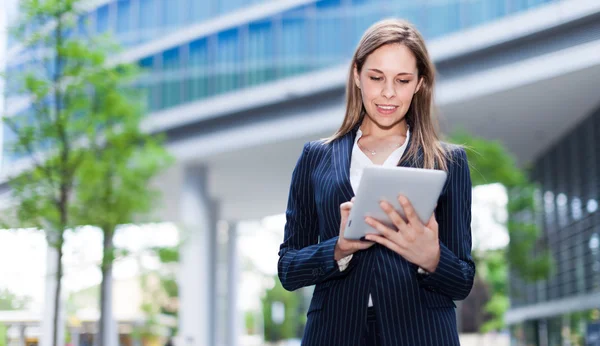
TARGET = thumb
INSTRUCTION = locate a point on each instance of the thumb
(345, 209)
(432, 224)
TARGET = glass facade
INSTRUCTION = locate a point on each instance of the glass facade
(302, 39)
(306, 38)
(312, 36)
(574, 329)
(568, 174)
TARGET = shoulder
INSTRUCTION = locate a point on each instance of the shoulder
(317, 148)
(456, 156)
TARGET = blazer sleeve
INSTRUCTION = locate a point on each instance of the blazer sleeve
(303, 260)
(456, 270)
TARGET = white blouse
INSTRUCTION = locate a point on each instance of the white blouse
(358, 162)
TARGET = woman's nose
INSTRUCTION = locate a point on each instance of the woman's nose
(388, 91)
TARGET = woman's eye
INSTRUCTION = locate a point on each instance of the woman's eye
(376, 78)
(404, 81)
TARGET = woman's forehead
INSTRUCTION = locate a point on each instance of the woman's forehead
(392, 59)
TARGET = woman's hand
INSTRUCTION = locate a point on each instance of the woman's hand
(346, 247)
(416, 242)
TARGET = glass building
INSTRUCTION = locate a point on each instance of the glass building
(564, 309)
(220, 46)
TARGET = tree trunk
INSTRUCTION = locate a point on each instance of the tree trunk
(57, 276)
(105, 286)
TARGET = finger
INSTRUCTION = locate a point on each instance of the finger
(385, 242)
(352, 200)
(433, 225)
(392, 214)
(363, 245)
(410, 213)
(381, 228)
(346, 206)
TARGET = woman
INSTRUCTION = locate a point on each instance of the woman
(396, 288)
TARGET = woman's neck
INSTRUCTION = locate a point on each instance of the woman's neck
(370, 128)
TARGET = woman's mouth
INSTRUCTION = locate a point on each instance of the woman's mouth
(386, 109)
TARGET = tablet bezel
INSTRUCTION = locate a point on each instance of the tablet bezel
(422, 187)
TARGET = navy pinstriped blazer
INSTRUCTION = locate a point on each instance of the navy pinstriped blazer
(411, 309)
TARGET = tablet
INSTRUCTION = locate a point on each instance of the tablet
(422, 187)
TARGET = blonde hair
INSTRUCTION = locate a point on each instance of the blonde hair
(420, 118)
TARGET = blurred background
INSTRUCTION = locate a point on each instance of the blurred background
(219, 97)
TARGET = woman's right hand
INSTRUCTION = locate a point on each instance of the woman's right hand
(346, 247)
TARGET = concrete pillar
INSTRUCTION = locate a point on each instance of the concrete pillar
(75, 336)
(196, 225)
(233, 317)
(22, 329)
(48, 314)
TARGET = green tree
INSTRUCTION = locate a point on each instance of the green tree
(118, 167)
(3, 334)
(491, 163)
(293, 317)
(89, 164)
(11, 301)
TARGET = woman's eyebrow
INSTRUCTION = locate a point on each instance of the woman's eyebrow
(401, 73)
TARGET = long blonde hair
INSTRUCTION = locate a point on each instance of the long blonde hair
(420, 118)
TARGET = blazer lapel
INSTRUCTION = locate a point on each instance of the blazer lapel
(411, 162)
(341, 156)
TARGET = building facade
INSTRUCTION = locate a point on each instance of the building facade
(565, 308)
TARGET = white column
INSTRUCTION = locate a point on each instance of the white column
(22, 329)
(233, 315)
(48, 316)
(75, 336)
(110, 337)
(194, 275)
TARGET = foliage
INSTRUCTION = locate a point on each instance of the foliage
(11, 301)
(491, 163)
(89, 162)
(294, 319)
(3, 334)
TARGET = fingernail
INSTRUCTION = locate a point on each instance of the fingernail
(402, 199)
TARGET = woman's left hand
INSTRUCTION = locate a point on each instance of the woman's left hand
(416, 242)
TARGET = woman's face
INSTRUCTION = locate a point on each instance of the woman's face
(387, 82)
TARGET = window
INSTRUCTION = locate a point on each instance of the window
(147, 19)
(102, 19)
(260, 52)
(330, 36)
(147, 83)
(171, 12)
(443, 17)
(294, 46)
(224, 6)
(199, 10)
(228, 57)
(171, 83)
(198, 81)
(123, 16)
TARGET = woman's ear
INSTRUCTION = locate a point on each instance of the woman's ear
(421, 81)
(356, 76)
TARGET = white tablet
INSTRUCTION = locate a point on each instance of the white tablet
(422, 187)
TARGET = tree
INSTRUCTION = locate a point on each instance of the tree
(118, 167)
(11, 301)
(288, 303)
(526, 256)
(89, 164)
(47, 133)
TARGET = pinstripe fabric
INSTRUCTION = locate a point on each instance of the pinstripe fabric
(411, 309)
